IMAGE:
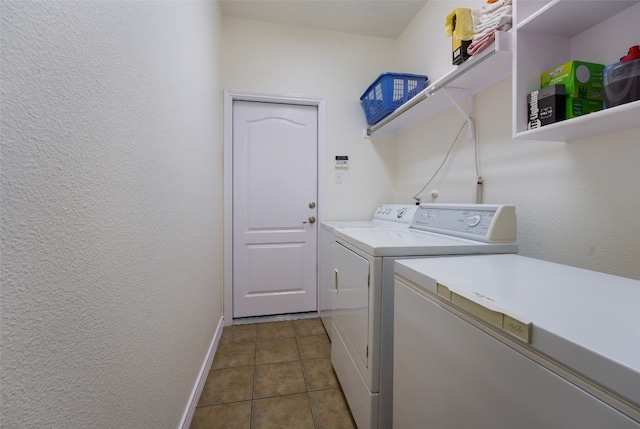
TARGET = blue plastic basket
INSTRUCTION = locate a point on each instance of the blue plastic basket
(388, 92)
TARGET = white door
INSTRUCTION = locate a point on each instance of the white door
(275, 150)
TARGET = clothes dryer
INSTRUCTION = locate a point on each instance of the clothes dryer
(386, 216)
(362, 300)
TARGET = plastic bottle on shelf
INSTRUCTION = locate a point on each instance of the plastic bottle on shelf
(622, 79)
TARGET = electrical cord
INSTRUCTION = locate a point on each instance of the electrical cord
(475, 147)
(417, 196)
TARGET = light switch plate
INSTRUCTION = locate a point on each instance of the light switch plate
(342, 161)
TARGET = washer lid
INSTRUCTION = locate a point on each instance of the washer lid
(385, 216)
(587, 320)
(411, 242)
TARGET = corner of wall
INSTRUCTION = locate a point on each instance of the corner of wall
(190, 410)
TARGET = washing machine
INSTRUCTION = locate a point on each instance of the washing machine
(386, 216)
(362, 299)
(506, 341)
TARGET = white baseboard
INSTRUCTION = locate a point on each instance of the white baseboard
(202, 378)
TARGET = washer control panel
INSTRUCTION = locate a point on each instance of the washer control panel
(482, 222)
(402, 213)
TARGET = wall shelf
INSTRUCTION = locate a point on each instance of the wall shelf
(594, 124)
(546, 33)
(477, 73)
(551, 33)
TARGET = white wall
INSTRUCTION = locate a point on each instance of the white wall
(273, 58)
(423, 45)
(577, 202)
(111, 214)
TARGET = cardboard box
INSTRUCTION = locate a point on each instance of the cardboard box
(577, 107)
(546, 106)
(581, 79)
(459, 47)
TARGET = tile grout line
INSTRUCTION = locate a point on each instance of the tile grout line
(253, 382)
(298, 335)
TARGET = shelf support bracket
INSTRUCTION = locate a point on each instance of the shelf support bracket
(467, 116)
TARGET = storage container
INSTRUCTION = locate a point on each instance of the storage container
(388, 92)
(622, 80)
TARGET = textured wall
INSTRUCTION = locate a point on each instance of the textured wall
(577, 202)
(111, 210)
(285, 59)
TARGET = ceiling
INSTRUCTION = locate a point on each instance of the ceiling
(378, 18)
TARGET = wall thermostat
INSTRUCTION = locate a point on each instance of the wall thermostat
(342, 161)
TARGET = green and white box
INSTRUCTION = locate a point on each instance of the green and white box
(581, 79)
(578, 107)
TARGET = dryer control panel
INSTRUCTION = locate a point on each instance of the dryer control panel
(402, 213)
(490, 223)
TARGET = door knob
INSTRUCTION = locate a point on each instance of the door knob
(312, 205)
(311, 220)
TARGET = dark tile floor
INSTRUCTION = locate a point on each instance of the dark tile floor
(273, 375)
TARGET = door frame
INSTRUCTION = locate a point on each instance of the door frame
(229, 97)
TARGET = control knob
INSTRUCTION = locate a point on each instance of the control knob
(473, 220)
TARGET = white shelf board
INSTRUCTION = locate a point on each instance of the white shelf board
(477, 73)
(594, 124)
(563, 18)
